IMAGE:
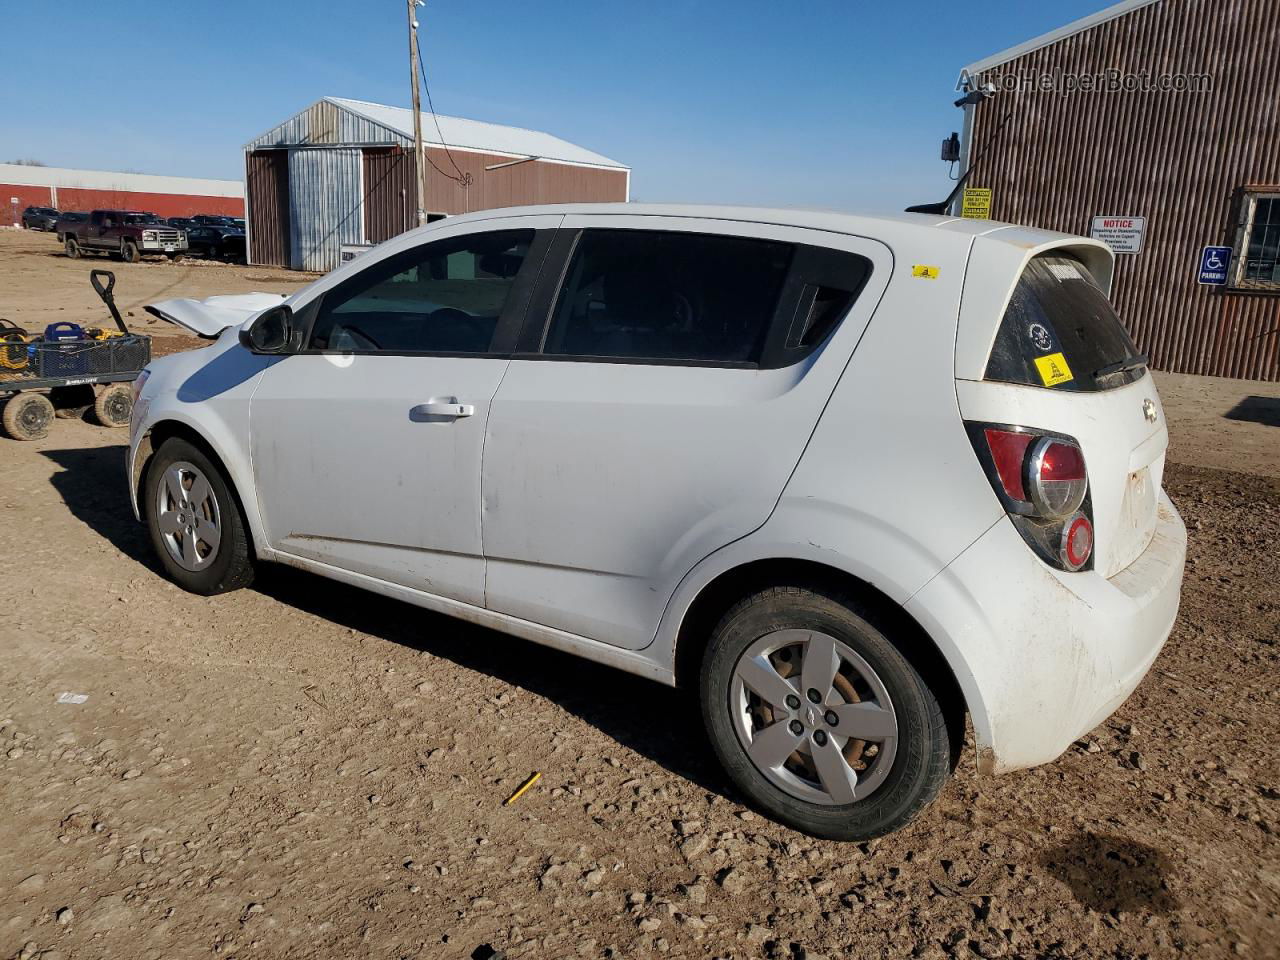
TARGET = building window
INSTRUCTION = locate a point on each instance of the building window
(1257, 265)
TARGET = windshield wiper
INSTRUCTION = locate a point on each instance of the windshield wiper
(1121, 366)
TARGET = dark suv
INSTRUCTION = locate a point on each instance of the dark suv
(39, 218)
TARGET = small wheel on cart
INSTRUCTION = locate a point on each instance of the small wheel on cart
(114, 405)
(27, 416)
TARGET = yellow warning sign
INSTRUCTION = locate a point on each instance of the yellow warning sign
(1053, 369)
(976, 203)
(929, 273)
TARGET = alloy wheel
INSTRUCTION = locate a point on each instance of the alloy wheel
(813, 716)
(188, 517)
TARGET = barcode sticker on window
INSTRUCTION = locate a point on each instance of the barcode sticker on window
(1065, 271)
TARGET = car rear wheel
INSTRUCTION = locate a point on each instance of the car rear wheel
(27, 416)
(196, 525)
(72, 248)
(819, 718)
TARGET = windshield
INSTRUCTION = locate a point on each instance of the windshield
(1060, 331)
(136, 218)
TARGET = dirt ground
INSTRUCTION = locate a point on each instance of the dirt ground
(304, 770)
(40, 286)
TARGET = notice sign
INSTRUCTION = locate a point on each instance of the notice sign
(1121, 234)
(976, 203)
(1213, 265)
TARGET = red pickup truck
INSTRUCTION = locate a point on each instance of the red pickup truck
(124, 235)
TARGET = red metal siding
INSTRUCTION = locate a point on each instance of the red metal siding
(390, 194)
(77, 198)
(537, 181)
(1176, 158)
(11, 209)
(267, 189)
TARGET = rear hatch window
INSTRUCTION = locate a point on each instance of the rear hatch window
(1061, 332)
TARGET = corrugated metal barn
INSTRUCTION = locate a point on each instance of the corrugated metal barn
(343, 172)
(1167, 110)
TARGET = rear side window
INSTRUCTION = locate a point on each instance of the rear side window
(1061, 332)
(644, 294)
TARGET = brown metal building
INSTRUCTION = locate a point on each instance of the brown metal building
(342, 173)
(1155, 114)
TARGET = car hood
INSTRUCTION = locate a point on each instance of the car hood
(209, 317)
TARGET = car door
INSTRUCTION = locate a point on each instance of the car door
(366, 445)
(666, 389)
(93, 231)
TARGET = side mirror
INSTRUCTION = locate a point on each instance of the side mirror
(271, 332)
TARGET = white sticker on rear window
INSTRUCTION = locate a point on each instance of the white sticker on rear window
(1065, 271)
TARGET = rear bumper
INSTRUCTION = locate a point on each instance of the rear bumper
(1042, 656)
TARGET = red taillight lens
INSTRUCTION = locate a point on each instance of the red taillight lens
(1043, 484)
(1008, 453)
(1056, 479)
(1077, 542)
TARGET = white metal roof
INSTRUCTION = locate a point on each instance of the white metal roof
(477, 135)
(26, 176)
(1053, 36)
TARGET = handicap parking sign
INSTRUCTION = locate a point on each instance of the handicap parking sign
(1213, 265)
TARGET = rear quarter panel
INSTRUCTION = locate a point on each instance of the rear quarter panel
(888, 489)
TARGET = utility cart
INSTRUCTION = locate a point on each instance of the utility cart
(67, 370)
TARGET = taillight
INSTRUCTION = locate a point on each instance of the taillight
(1077, 542)
(1043, 484)
(1055, 477)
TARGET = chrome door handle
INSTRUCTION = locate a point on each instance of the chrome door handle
(447, 408)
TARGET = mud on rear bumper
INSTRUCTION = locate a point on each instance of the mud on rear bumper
(1044, 656)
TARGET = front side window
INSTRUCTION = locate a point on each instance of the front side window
(644, 294)
(1257, 258)
(444, 297)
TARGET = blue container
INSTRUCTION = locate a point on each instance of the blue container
(63, 330)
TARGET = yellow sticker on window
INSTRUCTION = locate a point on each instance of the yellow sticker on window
(929, 273)
(1053, 369)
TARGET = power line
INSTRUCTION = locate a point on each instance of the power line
(462, 178)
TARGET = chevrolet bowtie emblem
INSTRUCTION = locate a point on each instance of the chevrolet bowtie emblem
(1149, 410)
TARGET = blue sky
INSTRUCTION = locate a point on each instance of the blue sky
(810, 103)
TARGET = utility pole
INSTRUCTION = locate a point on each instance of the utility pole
(419, 154)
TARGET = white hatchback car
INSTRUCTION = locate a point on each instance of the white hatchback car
(847, 477)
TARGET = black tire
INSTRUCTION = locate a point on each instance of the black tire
(27, 416)
(232, 566)
(72, 248)
(113, 406)
(921, 763)
(129, 252)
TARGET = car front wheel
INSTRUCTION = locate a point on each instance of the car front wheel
(819, 719)
(196, 525)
